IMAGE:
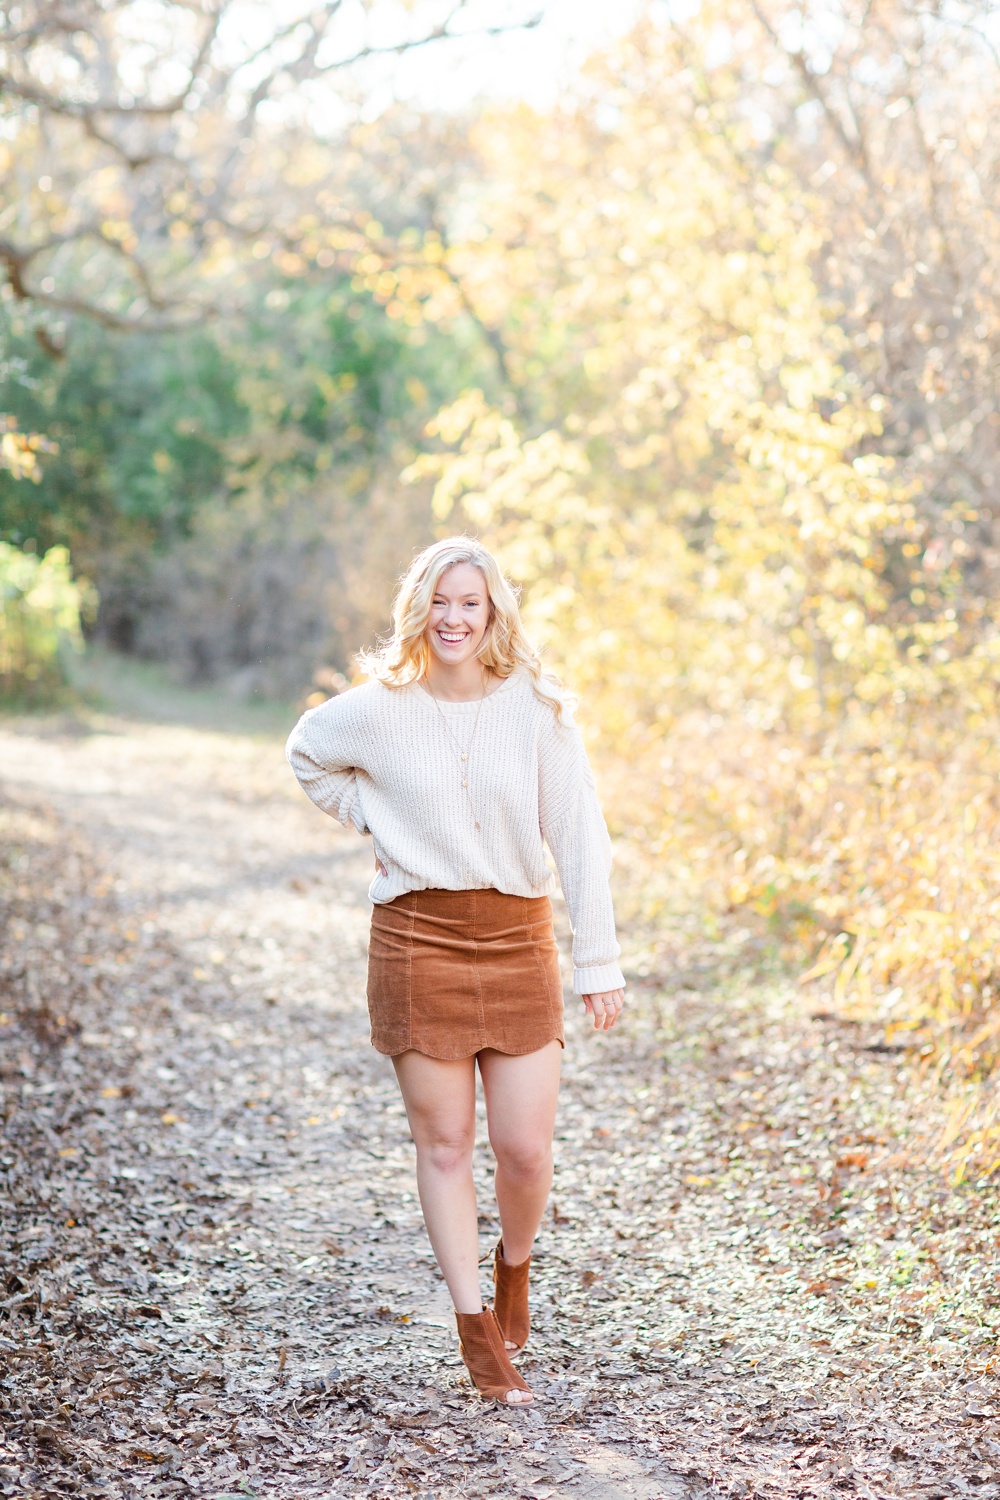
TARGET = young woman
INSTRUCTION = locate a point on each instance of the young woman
(459, 758)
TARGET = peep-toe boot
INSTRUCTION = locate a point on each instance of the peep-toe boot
(510, 1301)
(486, 1359)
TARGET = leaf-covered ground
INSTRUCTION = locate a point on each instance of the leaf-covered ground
(216, 1280)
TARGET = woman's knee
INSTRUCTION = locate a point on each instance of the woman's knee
(525, 1158)
(445, 1151)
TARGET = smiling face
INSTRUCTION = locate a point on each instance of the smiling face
(460, 613)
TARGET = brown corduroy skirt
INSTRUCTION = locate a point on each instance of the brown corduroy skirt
(452, 973)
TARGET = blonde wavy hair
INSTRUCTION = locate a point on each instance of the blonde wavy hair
(405, 655)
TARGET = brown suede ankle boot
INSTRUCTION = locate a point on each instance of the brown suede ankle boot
(481, 1343)
(510, 1302)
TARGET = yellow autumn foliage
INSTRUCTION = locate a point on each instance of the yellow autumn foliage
(716, 548)
(40, 612)
(19, 450)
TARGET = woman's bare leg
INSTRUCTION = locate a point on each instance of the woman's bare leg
(521, 1096)
(440, 1100)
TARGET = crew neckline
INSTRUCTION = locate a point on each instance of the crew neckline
(463, 704)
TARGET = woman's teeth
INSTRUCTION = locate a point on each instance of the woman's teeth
(452, 640)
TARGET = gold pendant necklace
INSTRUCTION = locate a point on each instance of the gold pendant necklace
(463, 754)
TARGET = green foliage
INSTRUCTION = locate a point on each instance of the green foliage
(152, 426)
(139, 424)
(40, 612)
(259, 451)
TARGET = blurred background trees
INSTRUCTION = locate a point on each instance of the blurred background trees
(158, 147)
(198, 312)
(706, 346)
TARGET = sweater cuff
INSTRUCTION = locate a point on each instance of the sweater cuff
(598, 980)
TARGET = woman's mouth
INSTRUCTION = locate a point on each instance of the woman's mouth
(452, 637)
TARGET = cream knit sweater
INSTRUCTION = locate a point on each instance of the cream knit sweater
(383, 760)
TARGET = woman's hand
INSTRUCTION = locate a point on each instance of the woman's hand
(380, 867)
(605, 1008)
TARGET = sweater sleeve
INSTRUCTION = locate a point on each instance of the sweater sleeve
(319, 751)
(573, 827)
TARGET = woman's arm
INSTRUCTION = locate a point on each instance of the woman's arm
(321, 753)
(574, 829)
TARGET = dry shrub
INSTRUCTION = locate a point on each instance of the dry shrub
(882, 858)
(242, 601)
(872, 863)
(261, 592)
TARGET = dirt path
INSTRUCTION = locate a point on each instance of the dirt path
(217, 1277)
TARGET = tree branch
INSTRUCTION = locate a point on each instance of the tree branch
(220, 88)
(853, 145)
(16, 261)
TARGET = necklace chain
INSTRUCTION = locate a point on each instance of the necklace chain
(463, 754)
